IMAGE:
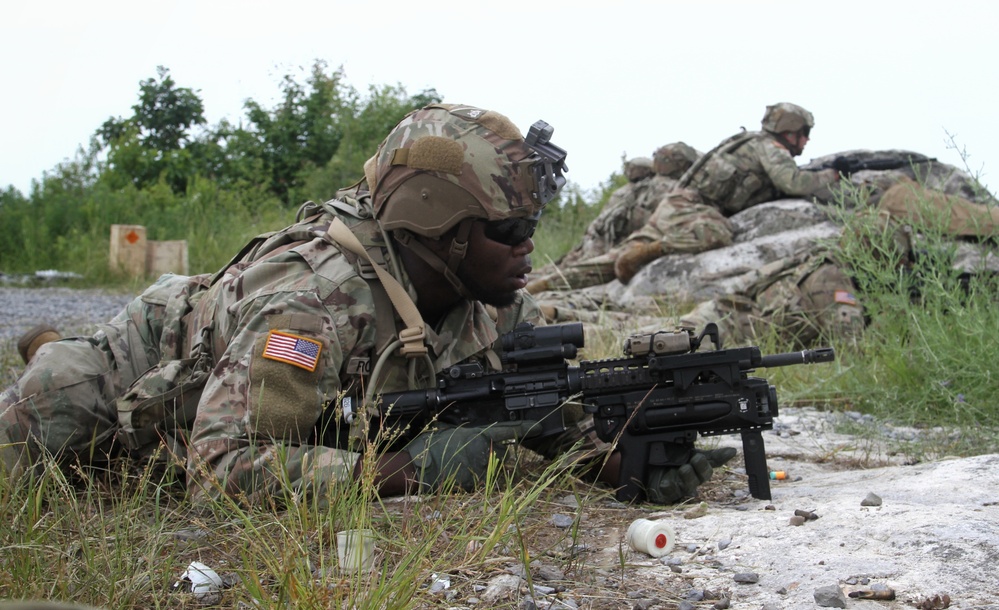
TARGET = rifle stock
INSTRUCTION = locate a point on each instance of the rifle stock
(656, 399)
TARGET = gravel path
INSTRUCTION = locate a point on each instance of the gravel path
(72, 311)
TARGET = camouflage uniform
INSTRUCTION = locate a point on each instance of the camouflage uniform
(254, 414)
(803, 299)
(239, 375)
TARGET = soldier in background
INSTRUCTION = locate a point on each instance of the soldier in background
(627, 210)
(806, 300)
(744, 170)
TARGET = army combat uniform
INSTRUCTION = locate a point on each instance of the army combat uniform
(802, 299)
(253, 356)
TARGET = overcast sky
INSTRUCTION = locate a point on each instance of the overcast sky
(613, 78)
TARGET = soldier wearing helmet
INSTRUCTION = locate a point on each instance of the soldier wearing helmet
(240, 378)
(744, 170)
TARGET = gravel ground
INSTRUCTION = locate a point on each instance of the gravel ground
(71, 310)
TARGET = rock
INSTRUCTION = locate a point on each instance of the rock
(872, 499)
(501, 588)
(746, 578)
(696, 512)
(830, 597)
(562, 521)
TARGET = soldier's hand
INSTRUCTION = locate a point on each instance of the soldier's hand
(462, 453)
(671, 484)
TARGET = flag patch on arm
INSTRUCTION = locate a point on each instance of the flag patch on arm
(844, 297)
(293, 349)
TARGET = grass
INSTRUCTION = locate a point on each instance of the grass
(122, 538)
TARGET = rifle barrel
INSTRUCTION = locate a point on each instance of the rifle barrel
(807, 356)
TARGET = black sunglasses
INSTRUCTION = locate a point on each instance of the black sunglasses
(511, 231)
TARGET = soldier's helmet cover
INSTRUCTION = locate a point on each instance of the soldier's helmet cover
(445, 163)
(787, 117)
(673, 159)
(637, 168)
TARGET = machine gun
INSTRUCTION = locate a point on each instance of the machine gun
(851, 165)
(662, 394)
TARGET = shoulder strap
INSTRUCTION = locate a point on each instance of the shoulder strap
(414, 335)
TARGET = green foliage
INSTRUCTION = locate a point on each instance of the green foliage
(565, 220)
(153, 143)
(927, 356)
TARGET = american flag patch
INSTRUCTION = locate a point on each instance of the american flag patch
(844, 297)
(300, 351)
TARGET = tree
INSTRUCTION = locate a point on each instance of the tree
(305, 129)
(153, 143)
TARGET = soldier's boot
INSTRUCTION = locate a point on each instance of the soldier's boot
(36, 337)
(634, 258)
(539, 285)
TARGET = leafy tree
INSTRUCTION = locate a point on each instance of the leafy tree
(305, 129)
(152, 144)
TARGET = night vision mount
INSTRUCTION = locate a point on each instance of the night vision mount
(547, 172)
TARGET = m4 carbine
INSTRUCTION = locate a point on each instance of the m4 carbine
(653, 401)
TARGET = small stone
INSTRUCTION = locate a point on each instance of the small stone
(571, 501)
(696, 512)
(721, 604)
(724, 544)
(797, 520)
(694, 595)
(872, 499)
(562, 521)
(830, 597)
(746, 578)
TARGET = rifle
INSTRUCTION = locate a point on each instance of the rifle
(850, 165)
(662, 393)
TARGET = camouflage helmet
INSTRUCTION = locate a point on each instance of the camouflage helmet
(671, 160)
(637, 168)
(447, 162)
(786, 117)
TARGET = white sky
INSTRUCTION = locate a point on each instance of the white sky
(613, 78)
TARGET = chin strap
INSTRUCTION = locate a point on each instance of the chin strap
(456, 254)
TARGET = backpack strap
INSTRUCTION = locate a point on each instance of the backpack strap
(414, 335)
